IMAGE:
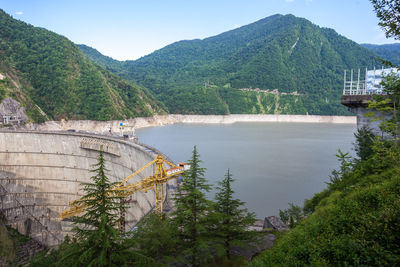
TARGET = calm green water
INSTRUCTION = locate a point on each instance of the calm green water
(273, 163)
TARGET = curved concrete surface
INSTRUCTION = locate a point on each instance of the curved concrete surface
(40, 172)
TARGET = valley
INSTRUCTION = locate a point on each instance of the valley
(277, 168)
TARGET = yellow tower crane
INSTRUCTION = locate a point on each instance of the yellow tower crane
(160, 176)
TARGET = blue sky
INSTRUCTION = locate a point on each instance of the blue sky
(129, 29)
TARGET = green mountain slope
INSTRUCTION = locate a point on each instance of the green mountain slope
(96, 56)
(46, 70)
(279, 52)
(389, 52)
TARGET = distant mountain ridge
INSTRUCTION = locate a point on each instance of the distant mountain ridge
(280, 53)
(389, 52)
(53, 79)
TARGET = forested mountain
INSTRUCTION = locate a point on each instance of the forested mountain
(101, 59)
(389, 52)
(46, 71)
(303, 61)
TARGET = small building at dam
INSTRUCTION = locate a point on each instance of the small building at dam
(41, 172)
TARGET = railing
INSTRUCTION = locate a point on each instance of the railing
(354, 88)
(360, 89)
(370, 85)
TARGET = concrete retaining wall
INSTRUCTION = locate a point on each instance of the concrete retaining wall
(40, 172)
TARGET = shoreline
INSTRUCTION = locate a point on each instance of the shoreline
(131, 125)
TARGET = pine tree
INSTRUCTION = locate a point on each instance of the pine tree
(364, 142)
(231, 221)
(192, 213)
(98, 240)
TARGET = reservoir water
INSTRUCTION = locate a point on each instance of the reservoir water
(273, 163)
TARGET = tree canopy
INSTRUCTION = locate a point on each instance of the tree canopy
(388, 13)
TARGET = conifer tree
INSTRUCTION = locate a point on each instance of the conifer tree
(364, 142)
(98, 240)
(155, 237)
(192, 211)
(231, 221)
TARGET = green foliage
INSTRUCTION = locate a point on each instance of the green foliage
(355, 224)
(381, 109)
(391, 85)
(292, 215)
(156, 237)
(311, 204)
(96, 230)
(3, 91)
(52, 257)
(388, 52)
(195, 234)
(99, 242)
(385, 108)
(62, 81)
(230, 220)
(35, 115)
(17, 237)
(199, 233)
(336, 178)
(97, 57)
(364, 141)
(277, 52)
(387, 11)
(191, 216)
(7, 247)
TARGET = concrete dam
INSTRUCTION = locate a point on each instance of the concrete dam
(41, 172)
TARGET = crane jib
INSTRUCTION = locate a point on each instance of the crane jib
(159, 177)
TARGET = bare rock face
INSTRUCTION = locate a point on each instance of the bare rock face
(274, 223)
(253, 248)
(12, 112)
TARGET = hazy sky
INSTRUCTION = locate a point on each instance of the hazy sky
(129, 29)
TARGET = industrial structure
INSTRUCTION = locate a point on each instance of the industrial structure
(370, 84)
(41, 173)
(160, 176)
(359, 89)
(11, 113)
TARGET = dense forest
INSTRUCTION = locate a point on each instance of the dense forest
(48, 73)
(389, 52)
(296, 65)
(278, 52)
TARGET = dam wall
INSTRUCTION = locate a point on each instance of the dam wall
(104, 127)
(41, 172)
